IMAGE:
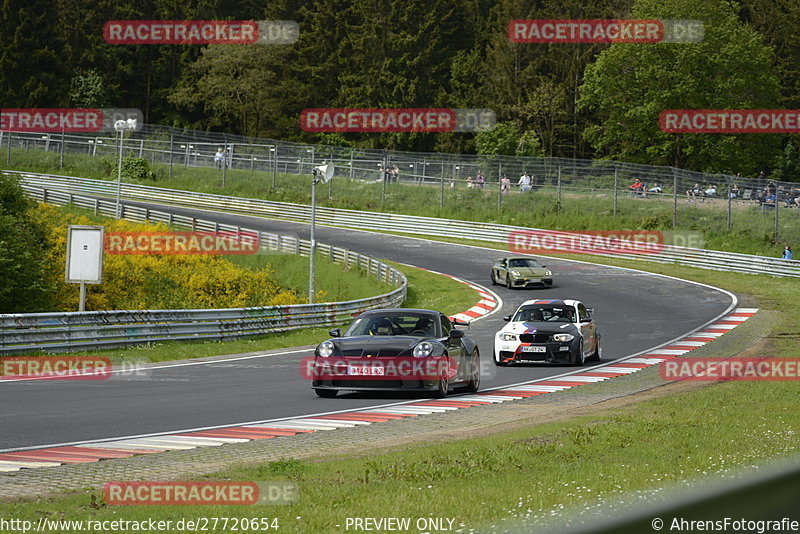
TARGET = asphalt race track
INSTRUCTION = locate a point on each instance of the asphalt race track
(634, 312)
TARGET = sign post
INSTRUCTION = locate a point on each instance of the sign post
(84, 257)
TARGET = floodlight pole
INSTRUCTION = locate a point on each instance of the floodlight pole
(313, 240)
(119, 173)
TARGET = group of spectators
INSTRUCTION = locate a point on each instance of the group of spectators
(640, 189)
(772, 194)
(709, 191)
(479, 182)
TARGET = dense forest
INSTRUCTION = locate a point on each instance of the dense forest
(572, 100)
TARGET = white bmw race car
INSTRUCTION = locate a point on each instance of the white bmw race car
(548, 331)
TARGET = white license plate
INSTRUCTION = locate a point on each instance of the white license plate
(365, 370)
(534, 349)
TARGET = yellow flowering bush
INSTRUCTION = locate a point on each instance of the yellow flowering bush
(137, 282)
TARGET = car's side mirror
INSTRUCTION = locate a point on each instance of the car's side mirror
(456, 322)
(507, 318)
(456, 334)
(335, 332)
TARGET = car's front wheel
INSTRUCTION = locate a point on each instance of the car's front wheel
(326, 393)
(494, 280)
(579, 358)
(508, 282)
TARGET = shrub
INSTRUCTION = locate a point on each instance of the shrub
(134, 169)
(157, 282)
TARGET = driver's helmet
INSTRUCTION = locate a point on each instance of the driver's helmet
(535, 314)
(424, 324)
(380, 327)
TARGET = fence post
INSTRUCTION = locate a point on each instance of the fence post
(171, 143)
(441, 188)
(777, 211)
(730, 200)
(616, 187)
(275, 168)
(674, 198)
(8, 150)
(224, 160)
(61, 152)
(47, 143)
(558, 190)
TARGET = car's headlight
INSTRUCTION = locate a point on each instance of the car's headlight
(423, 349)
(325, 349)
(563, 337)
(505, 336)
(515, 273)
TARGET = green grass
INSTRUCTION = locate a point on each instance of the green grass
(751, 231)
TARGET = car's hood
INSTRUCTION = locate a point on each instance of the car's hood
(529, 271)
(375, 346)
(532, 327)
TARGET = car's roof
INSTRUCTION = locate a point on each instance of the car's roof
(400, 310)
(550, 302)
(519, 258)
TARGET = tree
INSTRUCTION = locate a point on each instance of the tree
(22, 251)
(505, 139)
(788, 168)
(630, 84)
(88, 90)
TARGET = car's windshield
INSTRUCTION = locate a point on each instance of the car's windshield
(402, 324)
(523, 262)
(555, 314)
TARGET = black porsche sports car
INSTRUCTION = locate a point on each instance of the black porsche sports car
(397, 350)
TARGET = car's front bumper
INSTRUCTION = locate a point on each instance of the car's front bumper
(554, 352)
(526, 282)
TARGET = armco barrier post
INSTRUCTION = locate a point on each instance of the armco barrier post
(674, 199)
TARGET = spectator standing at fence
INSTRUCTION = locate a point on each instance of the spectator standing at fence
(219, 158)
(470, 184)
(505, 185)
(524, 182)
(787, 253)
(395, 173)
(735, 191)
(480, 183)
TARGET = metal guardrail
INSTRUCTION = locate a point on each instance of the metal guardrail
(60, 332)
(410, 224)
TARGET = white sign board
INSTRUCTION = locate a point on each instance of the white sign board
(85, 254)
